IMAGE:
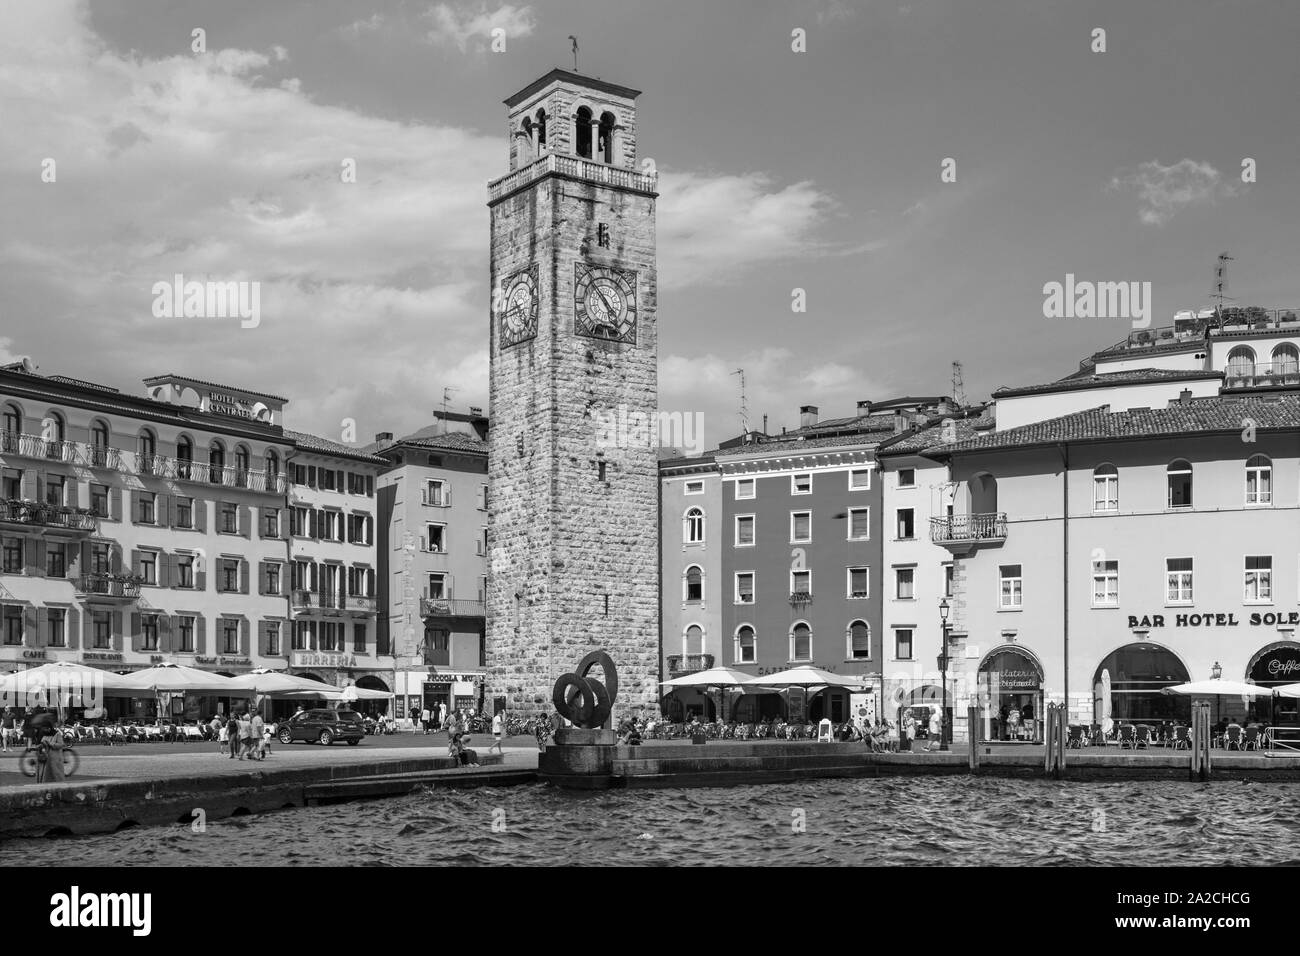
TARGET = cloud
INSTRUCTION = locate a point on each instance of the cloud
(1165, 190)
(835, 11)
(371, 24)
(713, 227)
(7, 354)
(460, 27)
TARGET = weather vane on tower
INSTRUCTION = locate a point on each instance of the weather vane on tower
(575, 52)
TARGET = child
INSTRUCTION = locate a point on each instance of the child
(268, 734)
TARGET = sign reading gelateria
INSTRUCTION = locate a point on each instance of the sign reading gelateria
(323, 659)
(1255, 619)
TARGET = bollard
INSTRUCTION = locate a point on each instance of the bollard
(972, 738)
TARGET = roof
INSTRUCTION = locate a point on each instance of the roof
(452, 441)
(154, 379)
(568, 76)
(1207, 416)
(1136, 376)
(918, 439)
(314, 443)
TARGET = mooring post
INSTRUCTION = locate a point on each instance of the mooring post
(1062, 738)
(972, 739)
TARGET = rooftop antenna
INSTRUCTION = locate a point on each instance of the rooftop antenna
(744, 403)
(958, 387)
(575, 52)
(1221, 284)
(446, 400)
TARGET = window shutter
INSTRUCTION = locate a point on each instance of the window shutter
(29, 626)
(162, 510)
(311, 475)
(71, 493)
(424, 543)
(245, 520)
(164, 633)
(42, 635)
(314, 577)
(261, 521)
(135, 561)
(312, 523)
(135, 507)
(446, 494)
(262, 577)
(88, 630)
(482, 494)
(72, 629)
(243, 576)
(263, 639)
(164, 569)
(200, 634)
(115, 504)
(199, 574)
(115, 558)
(245, 631)
(137, 638)
(117, 631)
(199, 514)
(28, 485)
(370, 485)
(30, 557)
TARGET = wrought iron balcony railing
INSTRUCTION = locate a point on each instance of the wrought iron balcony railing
(977, 527)
(451, 607)
(688, 663)
(107, 586)
(14, 511)
(1263, 375)
(800, 598)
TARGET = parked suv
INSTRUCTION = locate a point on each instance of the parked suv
(323, 726)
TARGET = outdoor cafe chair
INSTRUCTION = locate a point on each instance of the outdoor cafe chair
(1098, 738)
(1251, 742)
(1182, 737)
(1143, 736)
(1076, 737)
(1128, 736)
(1232, 737)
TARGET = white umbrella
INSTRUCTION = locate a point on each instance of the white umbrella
(1219, 688)
(274, 683)
(1287, 690)
(59, 679)
(353, 692)
(713, 677)
(177, 677)
(805, 675)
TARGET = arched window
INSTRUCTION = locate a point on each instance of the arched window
(540, 129)
(859, 641)
(606, 142)
(694, 583)
(693, 530)
(745, 645)
(216, 462)
(582, 132)
(241, 466)
(53, 434)
(11, 426)
(1180, 484)
(1105, 488)
(146, 451)
(693, 641)
(1286, 365)
(801, 642)
(1259, 481)
(272, 464)
(99, 443)
(1241, 364)
(184, 457)
(528, 149)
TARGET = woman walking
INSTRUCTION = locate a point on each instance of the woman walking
(498, 728)
(49, 763)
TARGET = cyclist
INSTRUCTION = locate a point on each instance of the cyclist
(49, 760)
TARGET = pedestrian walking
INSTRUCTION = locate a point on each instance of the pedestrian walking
(9, 728)
(442, 714)
(909, 731)
(936, 730)
(257, 727)
(425, 719)
(498, 728)
(49, 762)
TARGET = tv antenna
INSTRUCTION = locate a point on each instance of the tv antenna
(575, 52)
(958, 387)
(446, 400)
(744, 403)
(1221, 283)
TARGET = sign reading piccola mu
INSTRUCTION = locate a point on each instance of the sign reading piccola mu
(1256, 619)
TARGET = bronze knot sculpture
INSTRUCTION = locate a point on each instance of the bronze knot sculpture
(597, 699)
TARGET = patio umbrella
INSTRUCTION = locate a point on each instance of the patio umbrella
(353, 692)
(1219, 688)
(178, 677)
(274, 683)
(805, 675)
(1287, 690)
(720, 677)
(63, 678)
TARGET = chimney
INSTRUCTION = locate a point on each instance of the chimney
(900, 422)
(807, 416)
(947, 406)
(764, 424)
(475, 410)
(383, 440)
(1185, 397)
(864, 408)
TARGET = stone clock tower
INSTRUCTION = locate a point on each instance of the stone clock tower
(572, 526)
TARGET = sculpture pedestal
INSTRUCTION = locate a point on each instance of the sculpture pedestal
(581, 758)
(576, 736)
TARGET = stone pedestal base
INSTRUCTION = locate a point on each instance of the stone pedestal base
(576, 736)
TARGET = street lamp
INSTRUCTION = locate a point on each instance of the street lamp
(943, 669)
(1216, 671)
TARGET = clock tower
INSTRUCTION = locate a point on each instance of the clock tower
(572, 524)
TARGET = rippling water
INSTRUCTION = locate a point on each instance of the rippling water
(896, 821)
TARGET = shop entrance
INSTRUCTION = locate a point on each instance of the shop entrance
(1274, 666)
(1011, 692)
(1127, 687)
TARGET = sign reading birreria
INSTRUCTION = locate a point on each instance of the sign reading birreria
(323, 659)
(1255, 619)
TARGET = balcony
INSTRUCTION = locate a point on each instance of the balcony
(572, 167)
(34, 514)
(34, 446)
(322, 599)
(679, 665)
(962, 534)
(356, 602)
(801, 599)
(1266, 375)
(228, 476)
(451, 607)
(108, 588)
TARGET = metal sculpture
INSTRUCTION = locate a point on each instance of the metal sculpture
(597, 699)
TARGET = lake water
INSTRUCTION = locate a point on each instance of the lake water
(895, 821)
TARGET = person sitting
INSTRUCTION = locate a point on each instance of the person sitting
(628, 732)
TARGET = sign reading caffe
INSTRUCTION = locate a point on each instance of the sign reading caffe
(1254, 619)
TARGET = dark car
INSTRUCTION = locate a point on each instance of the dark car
(323, 726)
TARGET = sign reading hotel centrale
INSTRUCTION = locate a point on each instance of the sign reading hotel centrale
(323, 659)
(223, 403)
(1255, 619)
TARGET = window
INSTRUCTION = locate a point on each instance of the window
(229, 575)
(184, 512)
(13, 617)
(744, 644)
(11, 485)
(359, 638)
(185, 631)
(327, 479)
(99, 560)
(800, 526)
(693, 528)
(694, 583)
(905, 584)
(271, 523)
(693, 640)
(99, 444)
(907, 477)
(273, 638)
(744, 488)
(1105, 584)
(13, 426)
(1010, 588)
(1180, 484)
(947, 580)
(99, 501)
(859, 641)
(1178, 579)
(298, 637)
(58, 630)
(185, 570)
(1259, 481)
(146, 504)
(483, 541)
(437, 586)
(184, 457)
(903, 643)
(149, 632)
(216, 462)
(326, 636)
(299, 522)
(1286, 364)
(101, 629)
(744, 587)
(229, 636)
(1241, 364)
(906, 524)
(437, 540)
(1105, 488)
(801, 484)
(800, 582)
(483, 498)
(801, 642)
(56, 561)
(13, 555)
(859, 524)
(54, 490)
(744, 531)
(1259, 579)
(859, 479)
(149, 567)
(273, 579)
(859, 582)
(694, 488)
(436, 493)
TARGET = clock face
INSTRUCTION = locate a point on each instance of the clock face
(517, 312)
(604, 303)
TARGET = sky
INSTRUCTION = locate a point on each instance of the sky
(819, 169)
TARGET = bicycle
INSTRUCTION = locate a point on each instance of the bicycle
(30, 759)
